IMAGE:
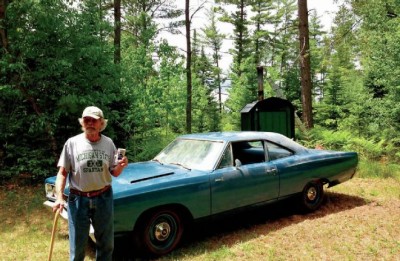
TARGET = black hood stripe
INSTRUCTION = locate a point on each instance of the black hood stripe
(153, 177)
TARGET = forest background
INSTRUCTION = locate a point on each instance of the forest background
(57, 57)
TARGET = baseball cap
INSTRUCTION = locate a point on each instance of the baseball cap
(92, 112)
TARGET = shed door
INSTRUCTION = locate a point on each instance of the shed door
(274, 121)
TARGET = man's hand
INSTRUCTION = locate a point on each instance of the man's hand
(59, 204)
(122, 163)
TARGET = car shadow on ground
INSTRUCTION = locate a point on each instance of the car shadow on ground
(282, 214)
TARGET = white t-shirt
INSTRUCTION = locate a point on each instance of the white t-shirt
(88, 163)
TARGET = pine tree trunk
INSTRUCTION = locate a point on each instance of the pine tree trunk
(117, 31)
(305, 68)
(3, 30)
(188, 70)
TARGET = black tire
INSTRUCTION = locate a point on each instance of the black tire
(312, 196)
(161, 232)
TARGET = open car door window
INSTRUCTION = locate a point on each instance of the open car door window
(249, 152)
(277, 152)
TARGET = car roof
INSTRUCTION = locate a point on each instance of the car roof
(234, 136)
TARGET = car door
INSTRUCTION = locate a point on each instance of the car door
(250, 180)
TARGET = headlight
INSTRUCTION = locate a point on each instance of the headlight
(50, 191)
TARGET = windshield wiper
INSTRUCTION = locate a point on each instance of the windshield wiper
(180, 165)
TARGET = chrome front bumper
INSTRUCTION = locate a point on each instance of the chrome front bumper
(63, 213)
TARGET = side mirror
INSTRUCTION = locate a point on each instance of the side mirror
(238, 163)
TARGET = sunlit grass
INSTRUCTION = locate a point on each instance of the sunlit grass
(374, 169)
(358, 221)
(26, 226)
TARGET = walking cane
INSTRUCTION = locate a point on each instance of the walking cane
(53, 232)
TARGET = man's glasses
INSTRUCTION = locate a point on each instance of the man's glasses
(88, 120)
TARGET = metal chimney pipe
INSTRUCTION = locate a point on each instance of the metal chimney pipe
(260, 77)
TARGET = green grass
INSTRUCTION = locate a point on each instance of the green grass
(26, 226)
(359, 221)
(373, 169)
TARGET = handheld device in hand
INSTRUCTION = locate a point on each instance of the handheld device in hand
(121, 153)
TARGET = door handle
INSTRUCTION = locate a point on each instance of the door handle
(272, 171)
(219, 179)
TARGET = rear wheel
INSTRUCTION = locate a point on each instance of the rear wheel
(312, 196)
(161, 231)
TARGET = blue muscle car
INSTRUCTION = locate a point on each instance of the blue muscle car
(202, 175)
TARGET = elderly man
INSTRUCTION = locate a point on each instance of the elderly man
(88, 161)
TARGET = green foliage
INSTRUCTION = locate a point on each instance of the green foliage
(242, 92)
(331, 140)
(241, 40)
(147, 146)
(59, 59)
(206, 78)
(56, 65)
(369, 150)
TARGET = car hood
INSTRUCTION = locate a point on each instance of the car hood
(142, 171)
(138, 172)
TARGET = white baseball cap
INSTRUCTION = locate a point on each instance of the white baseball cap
(92, 112)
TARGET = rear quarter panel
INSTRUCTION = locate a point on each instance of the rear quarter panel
(331, 167)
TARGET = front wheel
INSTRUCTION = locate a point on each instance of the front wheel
(161, 232)
(312, 196)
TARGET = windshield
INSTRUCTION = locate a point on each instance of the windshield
(191, 154)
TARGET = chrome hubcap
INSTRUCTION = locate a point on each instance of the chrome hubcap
(162, 231)
(312, 193)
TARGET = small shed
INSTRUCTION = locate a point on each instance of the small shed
(271, 114)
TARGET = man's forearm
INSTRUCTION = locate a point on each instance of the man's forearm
(60, 183)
